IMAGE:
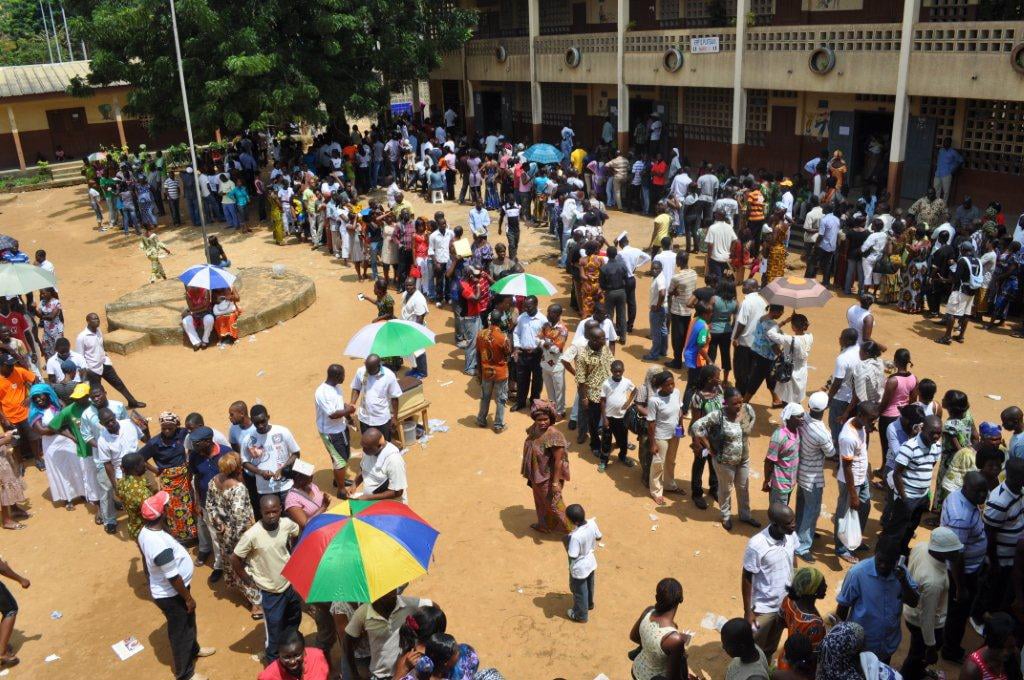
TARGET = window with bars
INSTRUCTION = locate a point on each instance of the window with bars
(947, 10)
(556, 98)
(943, 110)
(555, 16)
(994, 136)
(757, 117)
(707, 114)
(723, 12)
(440, 8)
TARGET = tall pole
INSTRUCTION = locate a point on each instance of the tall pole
(46, 30)
(188, 128)
(56, 38)
(85, 55)
(67, 32)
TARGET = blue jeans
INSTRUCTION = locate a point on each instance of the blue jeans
(421, 365)
(836, 409)
(231, 215)
(864, 494)
(645, 195)
(853, 268)
(129, 218)
(281, 611)
(498, 390)
(609, 191)
(808, 508)
(659, 333)
(212, 208)
(374, 258)
(582, 590)
(470, 326)
(375, 167)
(193, 210)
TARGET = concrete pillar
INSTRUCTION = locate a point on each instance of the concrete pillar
(739, 95)
(16, 136)
(622, 91)
(470, 110)
(536, 113)
(120, 122)
(416, 99)
(901, 112)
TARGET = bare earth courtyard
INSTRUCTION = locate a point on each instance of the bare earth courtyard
(504, 590)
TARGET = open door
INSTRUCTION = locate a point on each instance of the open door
(841, 133)
(917, 164)
(507, 97)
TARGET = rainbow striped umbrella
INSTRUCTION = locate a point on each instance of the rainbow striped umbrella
(358, 551)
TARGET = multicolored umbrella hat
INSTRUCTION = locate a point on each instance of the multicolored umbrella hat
(358, 551)
(796, 292)
(523, 284)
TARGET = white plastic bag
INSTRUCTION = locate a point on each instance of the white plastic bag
(849, 530)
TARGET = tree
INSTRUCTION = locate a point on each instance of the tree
(250, 63)
(21, 33)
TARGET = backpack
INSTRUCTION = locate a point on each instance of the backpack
(975, 277)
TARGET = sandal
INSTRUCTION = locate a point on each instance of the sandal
(9, 661)
(256, 616)
(944, 341)
(17, 526)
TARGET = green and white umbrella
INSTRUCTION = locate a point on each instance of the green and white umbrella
(523, 284)
(21, 278)
(394, 338)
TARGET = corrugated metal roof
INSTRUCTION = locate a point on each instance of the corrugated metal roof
(19, 81)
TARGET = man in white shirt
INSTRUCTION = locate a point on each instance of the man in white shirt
(414, 309)
(787, 196)
(267, 453)
(657, 313)
(840, 391)
(381, 470)
(681, 184)
(89, 344)
(332, 415)
(380, 392)
(439, 253)
(854, 486)
(600, 316)
(667, 259)
(169, 569)
(633, 258)
(450, 117)
(479, 219)
(526, 351)
(116, 439)
(767, 572)
(65, 369)
(720, 238)
(581, 544)
(728, 204)
(812, 220)
(749, 313)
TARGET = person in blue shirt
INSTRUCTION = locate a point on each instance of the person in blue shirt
(873, 594)
(947, 163)
(1013, 422)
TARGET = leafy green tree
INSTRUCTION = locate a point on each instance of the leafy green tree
(21, 33)
(258, 63)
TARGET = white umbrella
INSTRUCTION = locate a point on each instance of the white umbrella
(20, 278)
(207, 276)
(394, 338)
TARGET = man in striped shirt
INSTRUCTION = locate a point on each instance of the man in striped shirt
(815, 446)
(1004, 523)
(171, 191)
(911, 480)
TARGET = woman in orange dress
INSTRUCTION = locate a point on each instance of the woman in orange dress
(225, 316)
(799, 608)
(837, 168)
(546, 468)
(590, 272)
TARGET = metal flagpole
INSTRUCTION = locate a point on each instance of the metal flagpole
(46, 30)
(85, 55)
(188, 128)
(56, 38)
(67, 32)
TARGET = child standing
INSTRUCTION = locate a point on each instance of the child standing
(154, 249)
(616, 395)
(580, 544)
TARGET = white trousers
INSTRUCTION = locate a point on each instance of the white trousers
(189, 324)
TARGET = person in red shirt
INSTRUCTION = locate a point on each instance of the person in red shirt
(295, 661)
(14, 320)
(659, 170)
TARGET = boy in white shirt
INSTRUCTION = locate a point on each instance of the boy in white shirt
(616, 395)
(580, 545)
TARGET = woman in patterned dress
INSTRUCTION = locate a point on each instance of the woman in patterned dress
(958, 432)
(165, 456)
(229, 514)
(52, 316)
(799, 608)
(911, 300)
(133, 489)
(546, 468)
(590, 272)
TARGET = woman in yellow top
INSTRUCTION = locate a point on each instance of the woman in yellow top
(276, 219)
(777, 251)
(661, 227)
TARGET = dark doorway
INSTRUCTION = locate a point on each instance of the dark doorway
(917, 166)
(489, 115)
(579, 17)
(870, 162)
(639, 111)
(69, 130)
(451, 96)
(581, 120)
(643, 14)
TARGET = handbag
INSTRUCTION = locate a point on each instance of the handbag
(635, 421)
(782, 366)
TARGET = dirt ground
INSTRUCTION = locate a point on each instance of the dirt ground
(505, 590)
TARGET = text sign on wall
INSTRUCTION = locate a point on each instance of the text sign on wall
(704, 45)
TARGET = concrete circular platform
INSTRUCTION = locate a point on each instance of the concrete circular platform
(155, 309)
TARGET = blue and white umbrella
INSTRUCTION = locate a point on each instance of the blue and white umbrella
(545, 154)
(207, 276)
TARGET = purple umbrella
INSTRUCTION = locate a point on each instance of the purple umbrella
(796, 292)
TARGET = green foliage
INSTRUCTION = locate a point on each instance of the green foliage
(43, 170)
(21, 33)
(250, 64)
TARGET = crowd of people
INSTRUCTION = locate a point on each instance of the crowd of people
(347, 192)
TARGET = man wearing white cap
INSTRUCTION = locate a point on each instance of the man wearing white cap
(169, 568)
(815, 446)
(925, 621)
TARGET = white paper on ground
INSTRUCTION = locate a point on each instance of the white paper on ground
(51, 658)
(127, 648)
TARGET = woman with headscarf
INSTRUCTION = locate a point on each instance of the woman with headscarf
(229, 514)
(841, 656)
(546, 468)
(165, 457)
(66, 423)
(63, 470)
(800, 610)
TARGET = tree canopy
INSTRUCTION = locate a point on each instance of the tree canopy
(253, 63)
(21, 33)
